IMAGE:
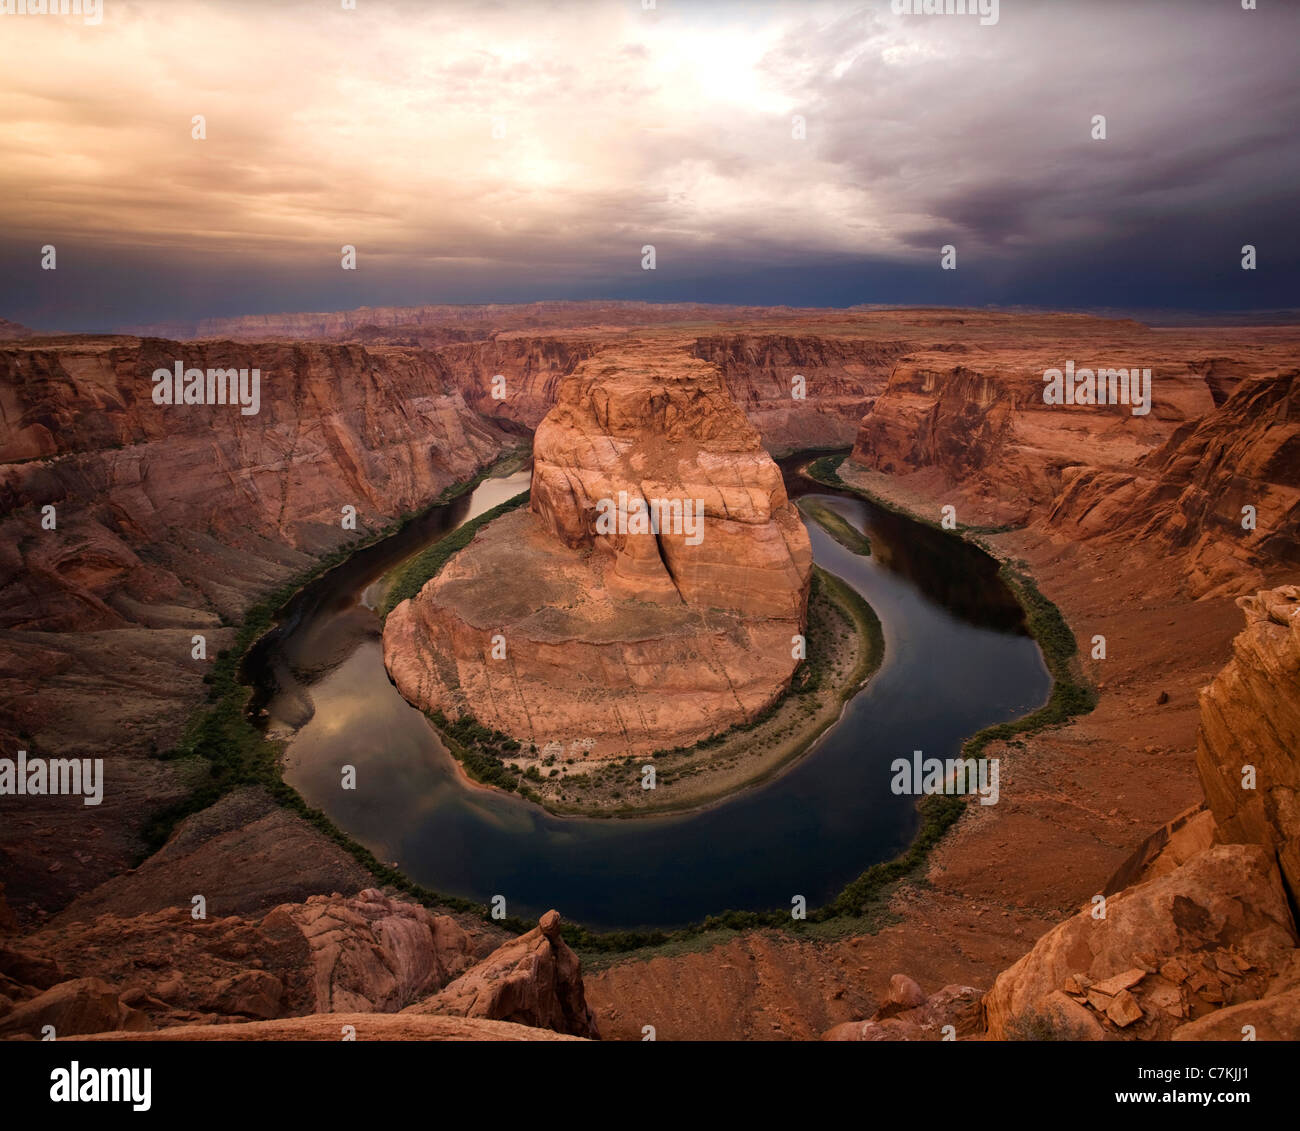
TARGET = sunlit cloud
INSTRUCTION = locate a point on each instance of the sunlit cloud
(549, 141)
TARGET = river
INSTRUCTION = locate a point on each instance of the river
(957, 658)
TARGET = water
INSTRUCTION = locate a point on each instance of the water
(957, 659)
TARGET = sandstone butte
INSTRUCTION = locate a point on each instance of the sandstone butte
(174, 524)
(623, 641)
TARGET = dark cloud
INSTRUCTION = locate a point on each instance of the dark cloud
(674, 128)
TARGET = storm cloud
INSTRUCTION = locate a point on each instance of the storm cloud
(802, 153)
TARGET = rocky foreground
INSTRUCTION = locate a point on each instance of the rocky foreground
(567, 622)
(172, 523)
(389, 969)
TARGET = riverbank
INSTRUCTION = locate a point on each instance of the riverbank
(1072, 692)
(845, 646)
(860, 905)
(224, 749)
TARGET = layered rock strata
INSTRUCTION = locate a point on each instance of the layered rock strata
(1222, 492)
(128, 527)
(1248, 748)
(369, 955)
(569, 622)
(1209, 468)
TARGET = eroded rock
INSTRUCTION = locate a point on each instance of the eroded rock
(620, 637)
(532, 980)
(1226, 901)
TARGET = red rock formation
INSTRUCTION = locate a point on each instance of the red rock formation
(532, 368)
(629, 641)
(1190, 494)
(1178, 947)
(169, 521)
(982, 423)
(368, 953)
(159, 550)
(659, 426)
(953, 1013)
(83, 1005)
(364, 956)
(1250, 716)
(1221, 434)
(375, 953)
(842, 377)
(532, 980)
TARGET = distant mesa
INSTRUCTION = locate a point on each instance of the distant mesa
(10, 331)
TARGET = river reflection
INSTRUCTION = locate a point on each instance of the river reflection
(956, 659)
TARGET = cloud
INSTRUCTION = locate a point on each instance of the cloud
(547, 142)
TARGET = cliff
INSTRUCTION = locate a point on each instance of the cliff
(170, 521)
(1189, 496)
(981, 423)
(842, 377)
(628, 640)
(1198, 950)
(1250, 716)
(331, 959)
(1221, 434)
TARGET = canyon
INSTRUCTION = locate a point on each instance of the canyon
(171, 522)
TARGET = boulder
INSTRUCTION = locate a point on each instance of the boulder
(1226, 901)
(953, 1013)
(374, 953)
(532, 980)
(1273, 1018)
(83, 1005)
(903, 994)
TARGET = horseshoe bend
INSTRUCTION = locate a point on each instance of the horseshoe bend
(628, 592)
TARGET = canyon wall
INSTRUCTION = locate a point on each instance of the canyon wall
(1192, 493)
(1250, 717)
(980, 422)
(1198, 950)
(630, 640)
(1222, 434)
(842, 377)
(532, 368)
(170, 521)
(534, 345)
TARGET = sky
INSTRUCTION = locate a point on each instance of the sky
(523, 150)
